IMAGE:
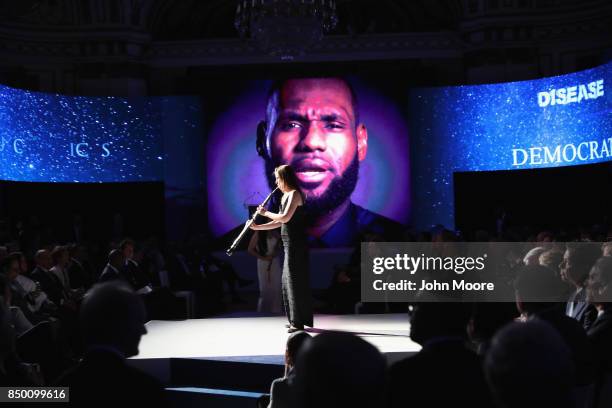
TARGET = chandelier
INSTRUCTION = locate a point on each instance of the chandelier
(285, 28)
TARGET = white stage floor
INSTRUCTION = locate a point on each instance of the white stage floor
(264, 336)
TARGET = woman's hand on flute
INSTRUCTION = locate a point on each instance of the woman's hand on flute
(261, 210)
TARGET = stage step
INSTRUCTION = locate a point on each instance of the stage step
(222, 374)
(186, 397)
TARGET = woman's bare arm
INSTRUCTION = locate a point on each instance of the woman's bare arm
(267, 226)
(286, 215)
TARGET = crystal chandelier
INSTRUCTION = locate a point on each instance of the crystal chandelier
(285, 28)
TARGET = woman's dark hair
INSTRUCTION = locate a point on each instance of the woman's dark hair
(295, 343)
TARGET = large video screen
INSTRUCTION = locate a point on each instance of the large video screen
(57, 138)
(347, 138)
(550, 122)
(372, 155)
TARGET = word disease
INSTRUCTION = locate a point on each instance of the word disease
(571, 94)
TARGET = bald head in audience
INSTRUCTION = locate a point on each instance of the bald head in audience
(529, 366)
(339, 369)
(112, 315)
(532, 257)
(43, 259)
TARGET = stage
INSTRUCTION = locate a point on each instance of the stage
(240, 356)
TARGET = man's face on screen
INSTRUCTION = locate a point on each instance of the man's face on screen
(315, 132)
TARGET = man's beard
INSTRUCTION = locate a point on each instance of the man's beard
(335, 194)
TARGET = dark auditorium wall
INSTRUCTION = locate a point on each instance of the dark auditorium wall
(564, 197)
(54, 205)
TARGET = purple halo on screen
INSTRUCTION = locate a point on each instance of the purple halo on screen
(235, 173)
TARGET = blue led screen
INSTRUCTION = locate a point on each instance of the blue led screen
(56, 138)
(549, 122)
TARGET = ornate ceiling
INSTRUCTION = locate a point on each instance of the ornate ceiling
(199, 19)
(53, 44)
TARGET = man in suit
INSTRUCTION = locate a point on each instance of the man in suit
(577, 262)
(61, 259)
(160, 303)
(78, 272)
(132, 267)
(530, 366)
(281, 394)
(599, 293)
(445, 372)
(114, 268)
(21, 299)
(112, 322)
(49, 283)
(37, 298)
(338, 369)
(538, 292)
(66, 307)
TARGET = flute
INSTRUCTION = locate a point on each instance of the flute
(248, 224)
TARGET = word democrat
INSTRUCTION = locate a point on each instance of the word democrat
(568, 153)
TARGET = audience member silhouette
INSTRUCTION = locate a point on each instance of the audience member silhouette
(17, 300)
(538, 362)
(11, 373)
(78, 270)
(530, 366)
(445, 372)
(552, 258)
(13, 370)
(114, 269)
(538, 296)
(281, 393)
(486, 319)
(37, 299)
(533, 255)
(606, 247)
(577, 262)
(133, 268)
(61, 259)
(113, 322)
(599, 294)
(339, 370)
(49, 283)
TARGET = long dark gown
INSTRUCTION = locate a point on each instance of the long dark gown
(296, 276)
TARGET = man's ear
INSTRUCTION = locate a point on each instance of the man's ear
(362, 141)
(260, 144)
